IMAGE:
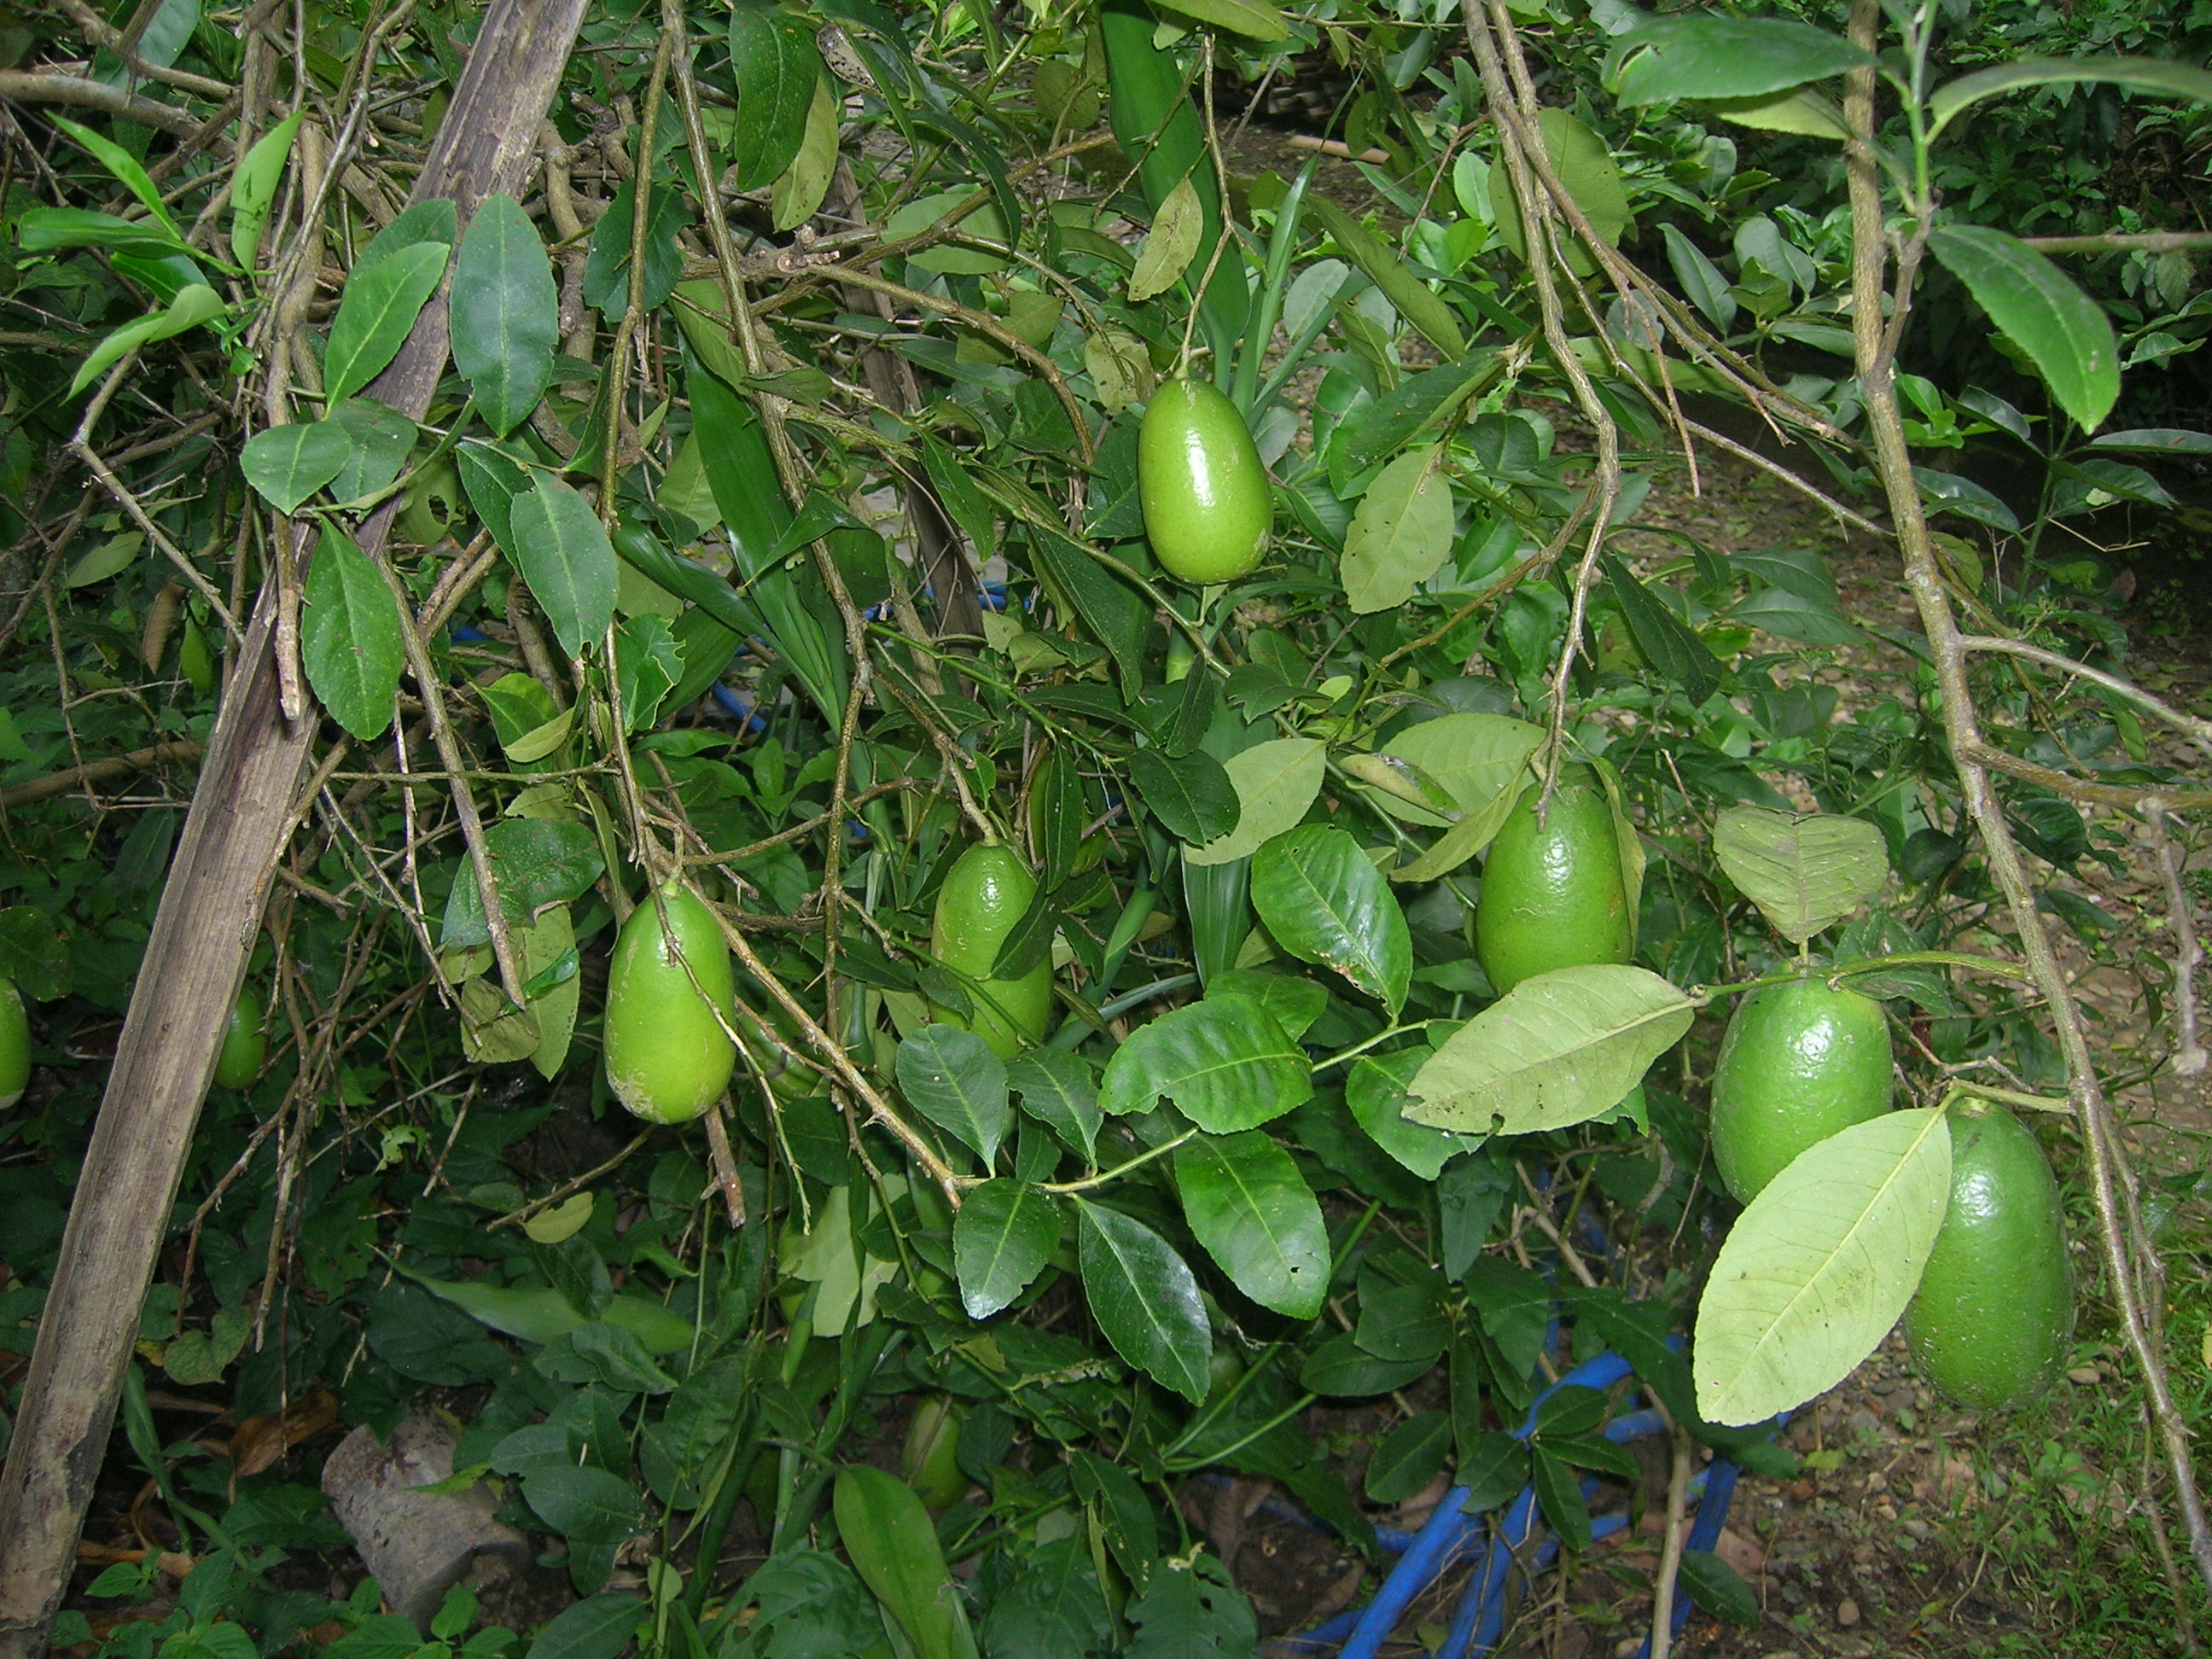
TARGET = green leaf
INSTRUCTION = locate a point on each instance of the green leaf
(48, 230)
(287, 463)
(1169, 246)
(253, 187)
(1480, 762)
(1714, 56)
(1816, 1270)
(1116, 614)
(648, 664)
(535, 862)
(376, 314)
(1253, 18)
(606, 266)
(381, 438)
(34, 955)
(350, 639)
(1416, 302)
(1343, 1369)
(506, 314)
(1295, 1001)
(799, 193)
(777, 66)
(1668, 644)
(1377, 1094)
(1276, 781)
(1403, 1322)
(1701, 279)
(1324, 902)
(1559, 1490)
(1004, 1233)
(1803, 111)
(1401, 533)
(587, 1505)
(1803, 870)
(565, 556)
(1492, 1469)
(2151, 75)
(1558, 1049)
(1248, 1206)
(2045, 312)
(1409, 1457)
(952, 1078)
(1792, 616)
(1225, 1062)
(597, 1628)
(434, 221)
(1144, 1299)
(1192, 797)
(195, 303)
(1059, 1088)
(1718, 1588)
(1191, 1610)
(126, 167)
(968, 505)
(1585, 166)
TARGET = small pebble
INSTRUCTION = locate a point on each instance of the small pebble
(2085, 1376)
(1918, 1529)
(1847, 1612)
(1628, 1647)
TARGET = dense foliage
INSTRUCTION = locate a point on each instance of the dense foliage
(773, 540)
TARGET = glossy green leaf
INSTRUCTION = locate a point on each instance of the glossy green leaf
(1224, 1062)
(48, 229)
(1192, 796)
(2044, 311)
(380, 440)
(1061, 1089)
(1695, 56)
(1144, 1299)
(1819, 1268)
(1380, 429)
(350, 640)
(952, 1078)
(886, 1530)
(1004, 1233)
(434, 221)
(1377, 1091)
(564, 554)
(287, 463)
(194, 304)
(1560, 1048)
(1559, 1491)
(506, 314)
(777, 66)
(1701, 279)
(1295, 1001)
(1248, 1206)
(1401, 533)
(1480, 762)
(127, 170)
(253, 187)
(1803, 870)
(1324, 902)
(2156, 75)
(1403, 1322)
(377, 312)
(1276, 781)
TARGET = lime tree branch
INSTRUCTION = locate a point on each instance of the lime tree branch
(2136, 1274)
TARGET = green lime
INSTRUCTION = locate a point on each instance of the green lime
(1990, 1324)
(1800, 1062)
(668, 1057)
(985, 893)
(1205, 496)
(1552, 893)
(245, 1043)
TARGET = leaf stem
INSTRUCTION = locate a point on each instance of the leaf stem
(1119, 1169)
